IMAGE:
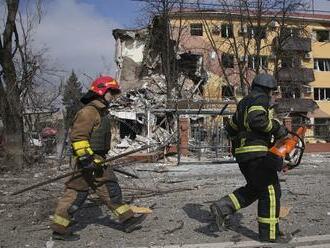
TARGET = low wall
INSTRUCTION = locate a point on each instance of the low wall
(317, 147)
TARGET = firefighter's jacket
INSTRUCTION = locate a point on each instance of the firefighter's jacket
(90, 132)
(251, 127)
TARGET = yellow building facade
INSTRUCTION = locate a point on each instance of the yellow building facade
(230, 50)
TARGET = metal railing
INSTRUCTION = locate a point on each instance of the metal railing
(208, 141)
(316, 133)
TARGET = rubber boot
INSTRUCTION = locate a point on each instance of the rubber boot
(222, 210)
(129, 221)
(62, 233)
(133, 223)
(123, 212)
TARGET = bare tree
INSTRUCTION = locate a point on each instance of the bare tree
(21, 69)
(10, 91)
(257, 23)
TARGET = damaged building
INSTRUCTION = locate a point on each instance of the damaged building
(297, 53)
(147, 108)
(204, 85)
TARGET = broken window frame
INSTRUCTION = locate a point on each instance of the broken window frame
(227, 60)
(321, 94)
(196, 29)
(322, 32)
(253, 61)
(321, 64)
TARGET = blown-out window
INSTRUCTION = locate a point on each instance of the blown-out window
(322, 35)
(227, 60)
(196, 29)
(227, 30)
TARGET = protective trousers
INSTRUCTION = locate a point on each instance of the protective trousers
(103, 181)
(262, 185)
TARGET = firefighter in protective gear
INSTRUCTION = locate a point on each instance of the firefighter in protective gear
(251, 129)
(90, 138)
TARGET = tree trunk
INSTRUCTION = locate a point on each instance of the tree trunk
(10, 101)
(13, 133)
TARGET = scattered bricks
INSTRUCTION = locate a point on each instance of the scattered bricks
(171, 149)
(317, 147)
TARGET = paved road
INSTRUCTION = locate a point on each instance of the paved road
(178, 218)
(317, 241)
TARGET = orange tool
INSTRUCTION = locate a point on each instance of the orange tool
(291, 148)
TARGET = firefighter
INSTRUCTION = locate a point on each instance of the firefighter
(251, 130)
(90, 138)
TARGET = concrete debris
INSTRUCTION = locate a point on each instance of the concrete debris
(160, 135)
(127, 144)
(284, 211)
(177, 199)
(146, 88)
(38, 175)
(50, 244)
(136, 122)
(64, 167)
(142, 139)
(180, 226)
(124, 143)
(91, 244)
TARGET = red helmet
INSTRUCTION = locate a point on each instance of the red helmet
(104, 83)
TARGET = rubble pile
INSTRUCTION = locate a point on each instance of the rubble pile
(153, 94)
(135, 108)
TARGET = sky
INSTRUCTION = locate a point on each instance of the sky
(78, 33)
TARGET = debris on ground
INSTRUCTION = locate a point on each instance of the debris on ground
(284, 211)
(186, 202)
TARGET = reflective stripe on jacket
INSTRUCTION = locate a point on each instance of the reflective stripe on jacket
(252, 126)
(88, 133)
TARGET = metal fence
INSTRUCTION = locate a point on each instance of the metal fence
(317, 133)
(207, 140)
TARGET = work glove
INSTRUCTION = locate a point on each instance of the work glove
(86, 162)
(281, 133)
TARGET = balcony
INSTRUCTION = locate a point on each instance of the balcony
(295, 105)
(297, 44)
(297, 75)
